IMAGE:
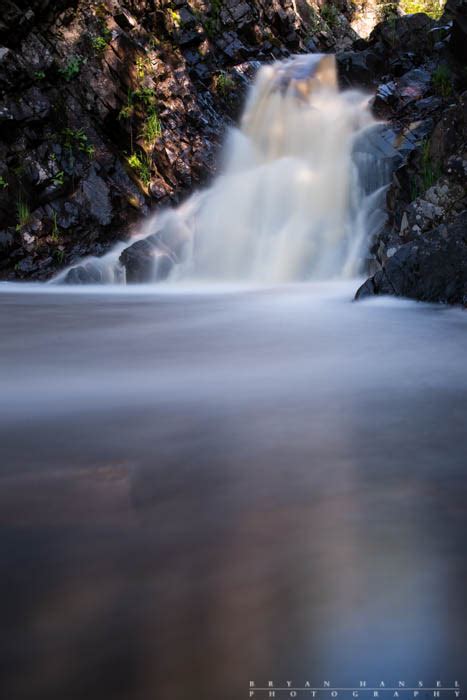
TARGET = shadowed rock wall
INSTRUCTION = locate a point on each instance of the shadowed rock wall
(108, 109)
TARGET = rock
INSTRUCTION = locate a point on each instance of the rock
(414, 84)
(88, 273)
(410, 33)
(6, 242)
(145, 261)
(95, 194)
(434, 270)
(457, 11)
(358, 67)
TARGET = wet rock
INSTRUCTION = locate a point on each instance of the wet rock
(145, 261)
(414, 84)
(434, 269)
(358, 67)
(88, 273)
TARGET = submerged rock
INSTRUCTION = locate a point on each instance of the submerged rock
(88, 273)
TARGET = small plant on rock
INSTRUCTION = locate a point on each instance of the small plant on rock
(142, 67)
(59, 254)
(55, 230)
(76, 138)
(330, 14)
(72, 67)
(59, 178)
(23, 214)
(175, 17)
(430, 173)
(141, 164)
(152, 127)
(442, 80)
(145, 95)
(3, 183)
(225, 84)
(99, 45)
(126, 112)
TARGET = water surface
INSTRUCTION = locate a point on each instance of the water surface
(203, 487)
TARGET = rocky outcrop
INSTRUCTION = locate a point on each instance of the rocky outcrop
(432, 269)
(420, 87)
(109, 109)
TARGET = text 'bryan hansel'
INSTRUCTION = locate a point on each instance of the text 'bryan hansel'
(365, 689)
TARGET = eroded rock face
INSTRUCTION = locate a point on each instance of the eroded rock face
(109, 109)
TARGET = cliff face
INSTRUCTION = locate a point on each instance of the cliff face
(109, 109)
(417, 67)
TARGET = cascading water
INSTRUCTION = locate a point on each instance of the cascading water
(295, 198)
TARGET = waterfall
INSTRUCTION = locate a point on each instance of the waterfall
(293, 201)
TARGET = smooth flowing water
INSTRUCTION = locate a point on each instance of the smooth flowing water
(204, 487)
(297, 198)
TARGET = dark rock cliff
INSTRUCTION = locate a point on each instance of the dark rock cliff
(109, 109)
(418, 67)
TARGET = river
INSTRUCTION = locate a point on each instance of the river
(207, 486)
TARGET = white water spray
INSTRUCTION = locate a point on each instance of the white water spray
(294, 199)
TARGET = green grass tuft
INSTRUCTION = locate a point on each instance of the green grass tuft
(442, 80)
(23, 214)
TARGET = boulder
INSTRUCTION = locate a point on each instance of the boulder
(145, 261)
(433, 269)
(358, 68)
(88, 273)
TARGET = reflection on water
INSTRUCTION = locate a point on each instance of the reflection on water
(201, 489)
